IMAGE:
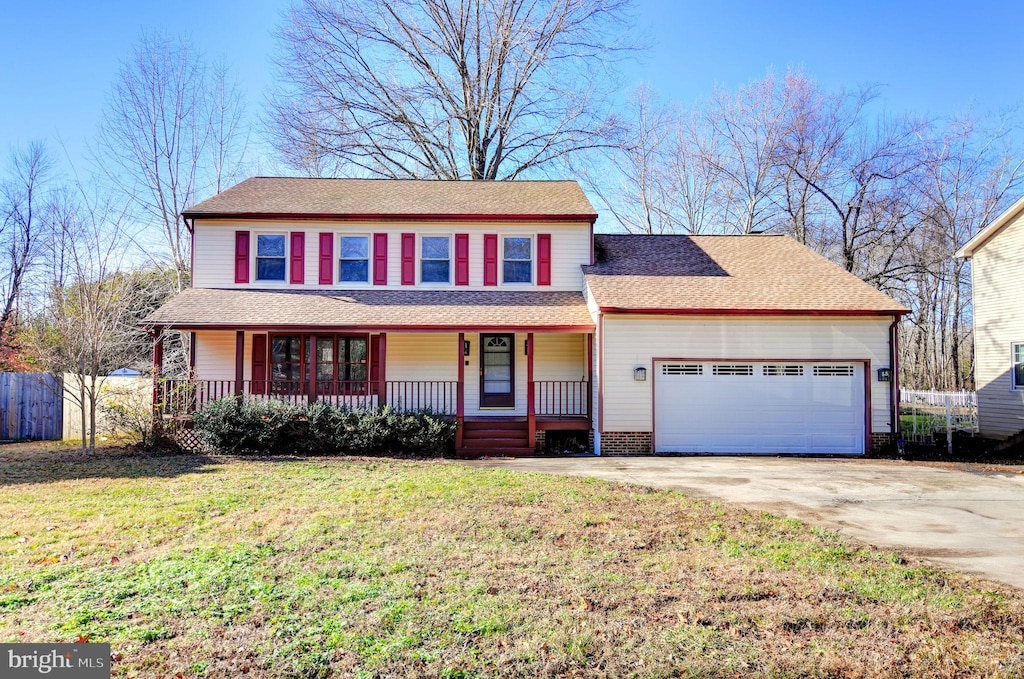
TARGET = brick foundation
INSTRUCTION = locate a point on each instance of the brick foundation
(881, 443)
(626, 443)
(542, 444)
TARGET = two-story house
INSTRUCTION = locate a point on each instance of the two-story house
(495, 303)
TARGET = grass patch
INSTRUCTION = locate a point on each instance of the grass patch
(287, 567)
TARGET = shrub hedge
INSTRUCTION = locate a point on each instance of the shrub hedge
(258, 426)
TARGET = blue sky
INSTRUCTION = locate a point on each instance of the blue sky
(58, 58)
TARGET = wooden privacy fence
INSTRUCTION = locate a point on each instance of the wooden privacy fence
(31, 407)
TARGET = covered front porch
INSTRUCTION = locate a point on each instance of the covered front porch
(519, 360)
(506, 389)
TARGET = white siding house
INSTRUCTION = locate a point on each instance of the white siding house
(997, 281)
(495, 303)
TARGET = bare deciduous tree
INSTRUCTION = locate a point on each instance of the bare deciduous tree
(969, 174)
(23, 228)
(476, 89)
(88, 321)
(890, 199)
(171, 133)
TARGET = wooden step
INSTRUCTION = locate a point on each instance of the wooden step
(495, 433)
(495, 443)
(494, 452)
(469, 425)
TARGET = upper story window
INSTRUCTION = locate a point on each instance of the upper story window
(1018, 366)
(354, 260)
(517, 260)
(270, 257)
(435, 259)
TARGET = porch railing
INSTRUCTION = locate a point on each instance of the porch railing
(180, 398)
(561, 398)
(176, 398)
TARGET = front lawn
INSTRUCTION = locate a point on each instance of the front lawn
(338, 567)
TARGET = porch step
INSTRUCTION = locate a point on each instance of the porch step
(488, 432)
(495, 442)
(495, 423)
(492, 436)
(505, 452)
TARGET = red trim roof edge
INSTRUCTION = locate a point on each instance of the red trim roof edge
(327, 216)
(375, 328)
(754, 312)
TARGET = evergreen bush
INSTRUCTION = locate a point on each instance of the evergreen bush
(234, 425)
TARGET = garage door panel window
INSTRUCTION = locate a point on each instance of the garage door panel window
(833, 371)
(682, 369)
(783, 370)
(732, 369)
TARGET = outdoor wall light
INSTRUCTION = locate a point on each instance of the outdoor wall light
(885, 374)
(640, 374)
(465, 347)
(526, 347)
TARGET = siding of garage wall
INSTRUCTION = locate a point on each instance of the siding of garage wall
(998, 323)
(635, 340)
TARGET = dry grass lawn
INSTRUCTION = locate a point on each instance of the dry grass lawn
(227, 567)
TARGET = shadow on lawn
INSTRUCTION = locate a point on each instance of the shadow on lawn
(45, 462)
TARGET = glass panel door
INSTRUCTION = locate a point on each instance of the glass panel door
(497, 371)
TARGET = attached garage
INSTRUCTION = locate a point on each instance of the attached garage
(759, 407)
(738, 345)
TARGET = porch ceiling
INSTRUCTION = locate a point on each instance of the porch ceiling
(207, 308)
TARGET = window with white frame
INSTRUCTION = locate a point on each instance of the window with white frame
(435, 259)
(354, 259)
(1018, 365)
(517, 260)
(270, 264)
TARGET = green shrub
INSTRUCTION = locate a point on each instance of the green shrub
(235, 425)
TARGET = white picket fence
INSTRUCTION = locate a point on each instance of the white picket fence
(928, 416)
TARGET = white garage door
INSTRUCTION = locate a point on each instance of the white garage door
(754, 407)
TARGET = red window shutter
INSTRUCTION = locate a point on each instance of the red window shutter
(543, 259)
(298, 253)
(326, 258)
(258, 385)
(462, 259)
(380, 259)
(490, 259)
(374, 363)
(408, 259)
(241, 256)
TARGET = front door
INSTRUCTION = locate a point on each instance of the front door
(497, 371)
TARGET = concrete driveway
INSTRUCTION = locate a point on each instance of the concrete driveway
(968, 520)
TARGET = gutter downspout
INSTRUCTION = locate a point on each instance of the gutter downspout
(894, 385)
(191, 226)
(599, 374)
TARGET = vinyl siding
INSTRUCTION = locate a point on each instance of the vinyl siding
(425, 356)
(214, 246)
(215, 355)
(998, 323)
(631, 341)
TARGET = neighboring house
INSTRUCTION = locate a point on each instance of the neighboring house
(997, 282)
(495, 303)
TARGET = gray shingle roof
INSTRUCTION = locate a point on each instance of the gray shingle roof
(372, 309)
(303, 196)
(725, 274)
